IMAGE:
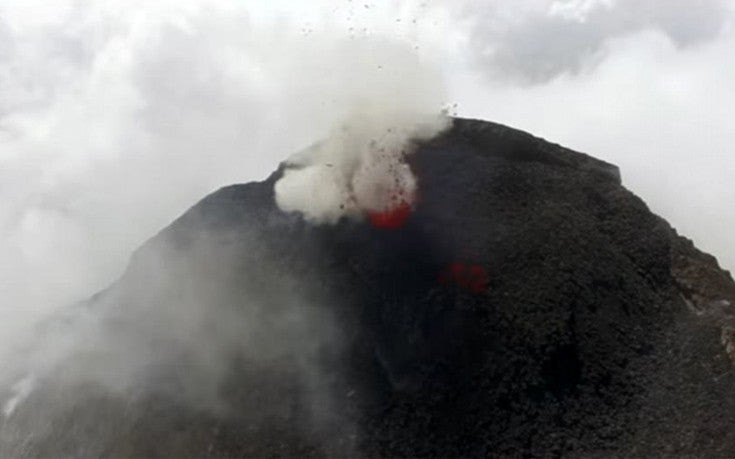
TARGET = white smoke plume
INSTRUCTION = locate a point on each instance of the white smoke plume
(360, 166)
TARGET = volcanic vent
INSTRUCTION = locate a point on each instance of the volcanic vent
(515, 301)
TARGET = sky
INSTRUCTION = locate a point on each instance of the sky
(116, 116)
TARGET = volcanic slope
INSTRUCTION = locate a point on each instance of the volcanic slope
(529, 306)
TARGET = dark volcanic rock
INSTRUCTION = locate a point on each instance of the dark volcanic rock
(600, 332)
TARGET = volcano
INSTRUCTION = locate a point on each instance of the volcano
(524, 305)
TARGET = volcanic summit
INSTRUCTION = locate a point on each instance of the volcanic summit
(521, 303)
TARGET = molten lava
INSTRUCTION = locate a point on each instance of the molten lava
(392, 218)
(396, 213)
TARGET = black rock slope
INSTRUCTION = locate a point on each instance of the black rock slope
(590, 328)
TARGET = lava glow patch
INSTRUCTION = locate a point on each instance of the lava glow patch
(469, 277)
(395, 213)
(392, 218)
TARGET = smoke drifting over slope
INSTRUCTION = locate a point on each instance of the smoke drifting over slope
(190, 326)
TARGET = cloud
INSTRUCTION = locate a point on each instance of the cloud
(535, 41)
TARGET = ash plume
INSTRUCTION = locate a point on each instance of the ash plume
(360, 168)
(395, 99)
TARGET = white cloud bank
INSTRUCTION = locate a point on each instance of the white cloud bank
(534, 41)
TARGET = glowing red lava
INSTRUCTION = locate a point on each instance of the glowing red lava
(392, 218)
(395, 214)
